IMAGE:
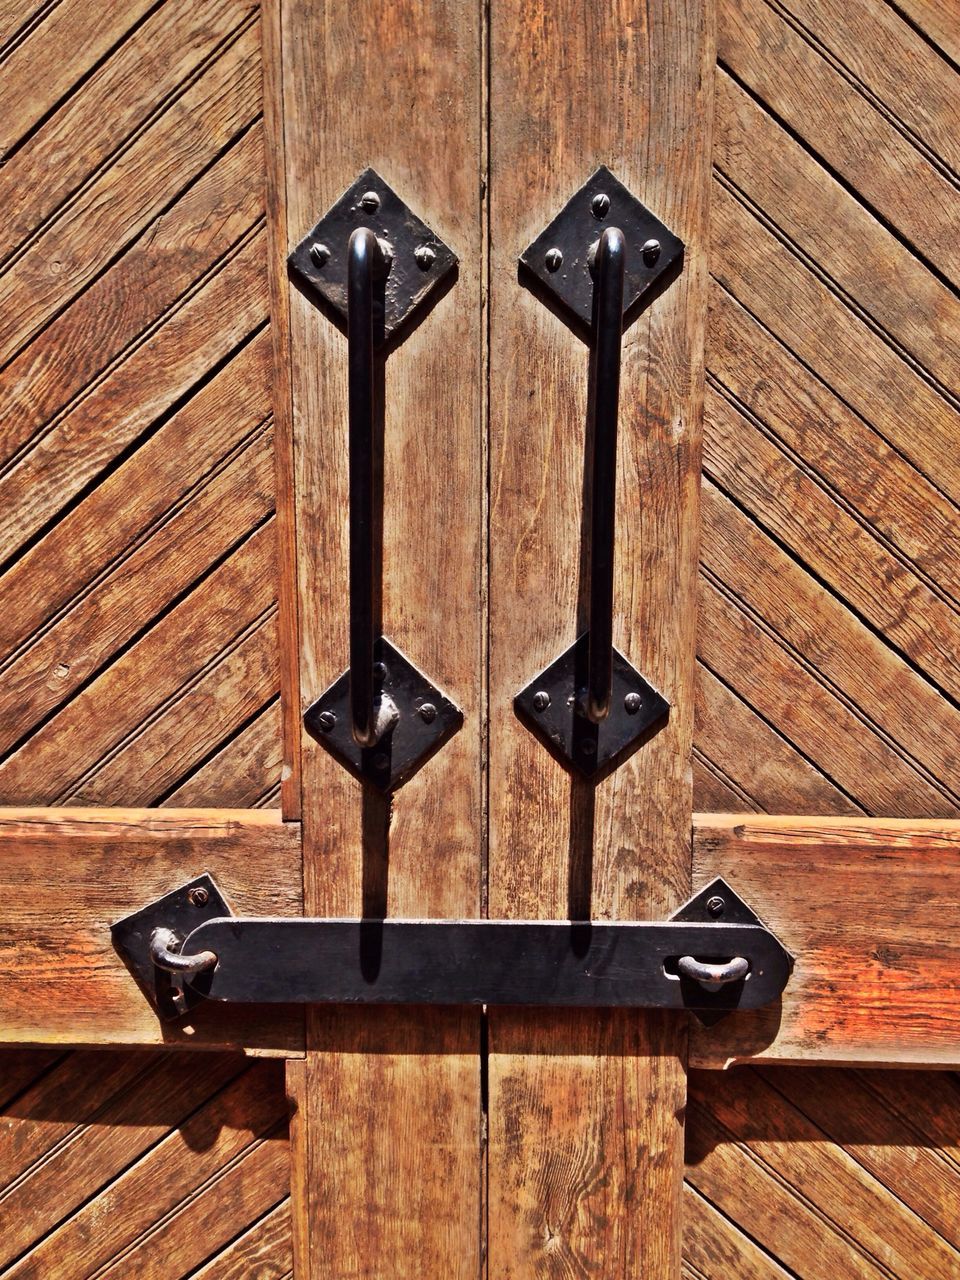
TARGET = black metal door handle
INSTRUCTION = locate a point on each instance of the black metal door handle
(372, 713)
(609, 266)
(375, 266)
(600, 260)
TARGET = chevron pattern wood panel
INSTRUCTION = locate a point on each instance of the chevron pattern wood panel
(830, 627)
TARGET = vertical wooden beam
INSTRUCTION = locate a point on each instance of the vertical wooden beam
(586, 1128)
(386, 1147)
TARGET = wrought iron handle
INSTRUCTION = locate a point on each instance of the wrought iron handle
(165, 954)
(713, 975)
(609, 265)
(375, 267)
(371, 714)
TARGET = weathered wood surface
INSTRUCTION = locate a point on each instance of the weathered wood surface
(831, 538)
(386, 1149)
(66, 875)
(868, 908)
(586, 1110)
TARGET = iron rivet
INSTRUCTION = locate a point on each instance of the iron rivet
(370, 201)
(600, 205)
(632, 703)
(327, 720)
(428, 713)
(319, 254)
(554, 259)
(198, 896)
(424, 256)
(651, 252)
(715, 905)
(379, 670)
(541, 700)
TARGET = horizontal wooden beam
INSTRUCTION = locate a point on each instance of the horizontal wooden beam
(870, 909)
(66, 874)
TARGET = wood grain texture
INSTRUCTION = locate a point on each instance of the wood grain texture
(389, 1115)
(62, 981)
(585, 1112)
(867, 909)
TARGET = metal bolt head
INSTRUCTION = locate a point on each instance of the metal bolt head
(370, 201)
(541, 700)
(716, 905)
(600, 205)
(632, 703)
(425, 256)
(651, 252)
(327, 720)
(319, 254)
(553, 259)
(198, 896)
(428, 712)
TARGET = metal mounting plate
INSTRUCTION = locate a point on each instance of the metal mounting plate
(568, 288)
(409, 744)
(558, 963)
(192, 904)
(413, 281)
(591, 750)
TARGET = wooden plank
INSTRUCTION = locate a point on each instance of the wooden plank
(288, 595)
(838, 544)
(140, 79)
(939, 23)
(713, 1248)
(633, 91)
(212, 1144)
(242, 772)
(883, 278)
(57, 54)
(868, 908)
(913, 716)
(265, 1250)
(827, 439)
(390, 1114)
(820, 329)
(61, 981)
(790, 694)
(755, 758)
(811, 1204)
(840, 125)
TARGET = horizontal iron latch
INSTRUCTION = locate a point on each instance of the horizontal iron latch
(711, 956)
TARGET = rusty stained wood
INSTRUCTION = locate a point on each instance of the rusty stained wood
(868, 908)
(67, 874)
(386, 1147)
(586, 1130)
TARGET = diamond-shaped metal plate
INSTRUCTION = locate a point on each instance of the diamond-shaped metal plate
(717, 903)
(427, 718)
(422, 266)
(182, 910)
(567, 287)
(592, 750)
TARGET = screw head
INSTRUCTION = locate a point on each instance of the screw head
(600, 205)
(428, 712)
(198, 896)
(716, 905)
(541, 700)
(319, 254)
(632, 703)
(553, 259)
(425, 256)
(379, 670)
(327, 720)
(650, 251)
(370, 201)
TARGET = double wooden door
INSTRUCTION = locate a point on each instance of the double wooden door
(175, 590)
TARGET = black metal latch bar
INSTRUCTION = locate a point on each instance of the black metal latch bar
(712, 956)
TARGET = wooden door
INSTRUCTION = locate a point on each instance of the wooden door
(173, 578)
